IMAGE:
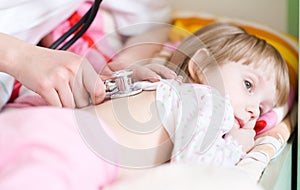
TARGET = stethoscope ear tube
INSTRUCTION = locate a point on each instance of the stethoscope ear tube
(84, 23)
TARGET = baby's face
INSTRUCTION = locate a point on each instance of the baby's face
(251, 91)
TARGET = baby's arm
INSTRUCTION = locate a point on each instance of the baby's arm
(267, 145)
(140, 47)
(139, 54)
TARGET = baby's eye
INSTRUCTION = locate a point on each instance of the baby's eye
(248, 85)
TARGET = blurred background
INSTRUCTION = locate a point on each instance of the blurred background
(282, 15)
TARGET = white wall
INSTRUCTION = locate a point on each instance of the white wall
(270, 12)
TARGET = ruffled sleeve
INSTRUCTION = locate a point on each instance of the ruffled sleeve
(196, 118)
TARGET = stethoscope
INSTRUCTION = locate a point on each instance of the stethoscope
(84, 23)
(120, 85)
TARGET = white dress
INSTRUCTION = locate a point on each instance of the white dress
(197, 117)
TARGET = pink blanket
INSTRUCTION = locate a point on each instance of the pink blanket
(41, 148)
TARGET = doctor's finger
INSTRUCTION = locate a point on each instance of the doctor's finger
(93, 83)
(87, 86)
(51, 97)
(95, 87)
(66, 96)
(80, 94)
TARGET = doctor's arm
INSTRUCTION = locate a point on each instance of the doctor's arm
(62, 78)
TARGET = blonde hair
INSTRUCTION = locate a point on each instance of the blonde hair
(226, 42)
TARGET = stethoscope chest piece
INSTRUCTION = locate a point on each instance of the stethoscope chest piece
(122, 85)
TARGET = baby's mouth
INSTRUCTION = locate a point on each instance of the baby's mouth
(239, 122)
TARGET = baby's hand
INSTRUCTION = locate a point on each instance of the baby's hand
(243, 136)
(152, 72)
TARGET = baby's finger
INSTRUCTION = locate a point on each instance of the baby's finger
(162, 71)
(144, 73)
(105, 77)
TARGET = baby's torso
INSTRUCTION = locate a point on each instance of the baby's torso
(136, 126)
(192, 117)
(130, 118)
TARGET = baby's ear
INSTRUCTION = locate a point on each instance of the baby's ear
(197, 63)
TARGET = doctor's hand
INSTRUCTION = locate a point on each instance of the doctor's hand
(62, 78)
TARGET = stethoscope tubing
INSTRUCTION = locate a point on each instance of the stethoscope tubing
(84, 23)
(122, 79)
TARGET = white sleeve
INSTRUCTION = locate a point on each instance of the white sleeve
(169, 106)
(30, 20)
(130, 12)
(196, 117)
